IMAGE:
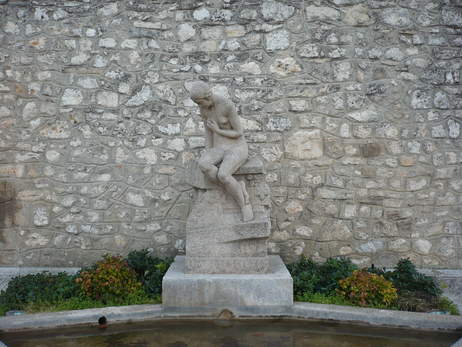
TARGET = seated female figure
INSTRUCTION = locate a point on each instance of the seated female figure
(226, 148)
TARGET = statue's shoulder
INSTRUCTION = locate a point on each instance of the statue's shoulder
(225, 102)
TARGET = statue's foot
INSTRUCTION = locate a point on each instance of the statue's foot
(247, 213)
(244, 192)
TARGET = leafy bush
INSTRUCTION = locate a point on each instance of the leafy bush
(74, 303)
(141, 261)
(447, 305)
(153, 278)
(41, 287)
(310, 277)
(305, 275)
(367, 289)
(320, 298)
(3, 309)
(409, 301)
(110, 280)
(416, 291)
(332, 271)
(406, 278)
(83, 302)
(150, 270)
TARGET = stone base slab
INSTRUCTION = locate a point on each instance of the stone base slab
(226, 291)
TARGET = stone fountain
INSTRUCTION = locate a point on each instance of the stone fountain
(227, 265)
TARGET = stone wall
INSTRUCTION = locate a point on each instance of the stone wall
(354, 105)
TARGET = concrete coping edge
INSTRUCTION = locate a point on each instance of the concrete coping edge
(300, 310)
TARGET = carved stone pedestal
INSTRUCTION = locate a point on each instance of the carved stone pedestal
(226, 263)
(217, 240)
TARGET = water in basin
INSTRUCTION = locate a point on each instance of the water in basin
(230, 333)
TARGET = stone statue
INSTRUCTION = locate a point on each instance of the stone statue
(222, 237)
(226, 149)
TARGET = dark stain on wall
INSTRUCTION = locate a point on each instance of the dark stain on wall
(369, 150)
(7, 206)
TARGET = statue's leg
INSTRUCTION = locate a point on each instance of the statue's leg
(208, 160)
(231, 162)
(244, 191)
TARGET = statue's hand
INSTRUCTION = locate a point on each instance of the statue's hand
(212, 125)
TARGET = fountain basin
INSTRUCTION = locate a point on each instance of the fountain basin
(249, 331)
(300, 310)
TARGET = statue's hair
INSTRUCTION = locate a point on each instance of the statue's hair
(199, 90)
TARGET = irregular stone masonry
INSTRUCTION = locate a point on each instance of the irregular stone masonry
(354, 105)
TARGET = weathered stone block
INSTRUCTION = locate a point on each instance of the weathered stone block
(322, 13)
(214, 238)
(277, 40)
(140, 97)
(197, 179)
(357, 15)
(71, 97)
(227, 265)
(217, 240)
(371, 150)
(398, 17)
(182, 290)
(209, 245)
(452, 16)
(334, 193)
(107, 99)
(305, 144)
(276, 11)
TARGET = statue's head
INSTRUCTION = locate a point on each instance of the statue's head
(201, 93)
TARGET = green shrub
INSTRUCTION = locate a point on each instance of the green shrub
(416, 291)
(141, 261)
(153, 279)
(3, 309)
(41, 287)
(305, 275)
(74, 303)
(320, 298)
(83, 302)
(150, 270)
(406, 278)
(447, 305)
(409, 301)
(331, 272)
(110, 280)
(310, 277)
(367, 289)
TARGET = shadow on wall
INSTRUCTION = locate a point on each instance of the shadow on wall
(7, 207)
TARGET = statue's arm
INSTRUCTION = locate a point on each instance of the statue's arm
(236, 129)
(208, 136)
